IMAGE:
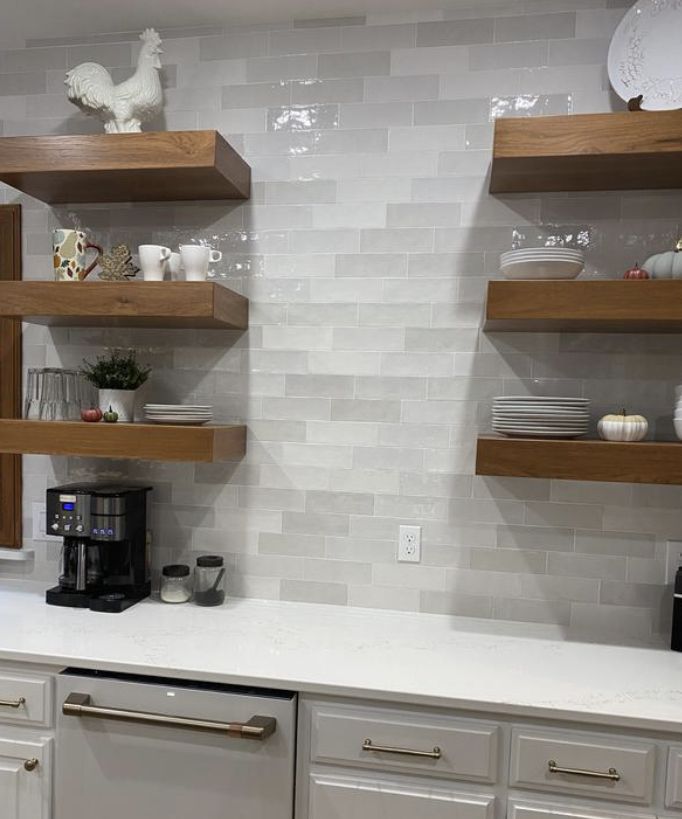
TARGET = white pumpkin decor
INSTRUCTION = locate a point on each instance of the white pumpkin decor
(666, 265)
(623, 427)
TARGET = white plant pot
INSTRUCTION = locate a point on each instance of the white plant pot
(120, 401)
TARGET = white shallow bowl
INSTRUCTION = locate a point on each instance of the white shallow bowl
(547, 251)
(517, 256)
(542, 269)
(549, 399)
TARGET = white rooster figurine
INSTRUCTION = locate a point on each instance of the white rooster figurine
(122, 108)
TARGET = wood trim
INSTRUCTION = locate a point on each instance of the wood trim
(154, 166)
(146, 442)
(10, 379)
(658, 462)
(125, 304)
(588, 152)
(595, 306)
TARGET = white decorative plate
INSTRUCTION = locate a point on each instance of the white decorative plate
(645, 56)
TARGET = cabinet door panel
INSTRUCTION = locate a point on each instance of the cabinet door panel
(25, 794)
(541, 810)
(341, 797)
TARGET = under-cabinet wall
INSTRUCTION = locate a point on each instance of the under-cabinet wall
(364, 378)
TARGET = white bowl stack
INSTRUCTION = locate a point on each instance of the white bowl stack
(542, 263)
(540, 416)
(187, 414)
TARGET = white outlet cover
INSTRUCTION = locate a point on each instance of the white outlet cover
(410, 544)
(40, 524)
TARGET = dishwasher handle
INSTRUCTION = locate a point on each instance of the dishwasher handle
(79, 705)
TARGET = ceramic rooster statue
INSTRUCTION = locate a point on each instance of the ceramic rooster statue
(122, 108)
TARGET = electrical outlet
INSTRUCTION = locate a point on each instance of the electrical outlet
(410, 544)
(673, 560)
(40, 524)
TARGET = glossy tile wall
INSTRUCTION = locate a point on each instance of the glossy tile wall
(364, 377)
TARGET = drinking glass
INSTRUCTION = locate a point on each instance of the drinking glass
(33, 390)
(53, 406)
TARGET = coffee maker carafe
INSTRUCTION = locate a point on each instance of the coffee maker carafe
(104, 562)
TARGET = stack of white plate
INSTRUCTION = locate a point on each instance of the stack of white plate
(542, 263)
(541, 416)
(190, 414)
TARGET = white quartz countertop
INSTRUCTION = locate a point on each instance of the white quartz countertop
(417, 659)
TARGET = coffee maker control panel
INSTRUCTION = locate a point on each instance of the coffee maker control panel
(68, 514)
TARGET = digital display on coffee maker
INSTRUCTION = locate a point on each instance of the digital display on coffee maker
(68, 507)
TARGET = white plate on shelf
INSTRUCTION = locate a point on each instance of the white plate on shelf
(178, 407)
(544, 399)
(523, 434)
(542, 270)
(187, 422)
(645, 57)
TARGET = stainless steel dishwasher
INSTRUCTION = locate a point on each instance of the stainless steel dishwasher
(152, 748)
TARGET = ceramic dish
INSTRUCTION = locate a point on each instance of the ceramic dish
(542, 269)
(645, 56)
(543, 399)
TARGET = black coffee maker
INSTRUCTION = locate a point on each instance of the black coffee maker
(105, 556)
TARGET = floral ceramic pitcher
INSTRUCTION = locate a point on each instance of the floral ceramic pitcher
(70, 260)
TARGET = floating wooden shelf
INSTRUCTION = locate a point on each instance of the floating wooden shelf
(580, 460)
(588, 152)
(124, 304)
(145, 442)
(649, 306)
(149, 167)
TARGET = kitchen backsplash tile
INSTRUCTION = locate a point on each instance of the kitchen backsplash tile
(364, 377)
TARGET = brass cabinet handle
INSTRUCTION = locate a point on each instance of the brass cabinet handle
(78, 705)
(368, 745)
(612, 774)
(31, 764)
(13, 703)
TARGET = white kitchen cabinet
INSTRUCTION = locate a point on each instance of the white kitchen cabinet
(25, 774)
(341, 797)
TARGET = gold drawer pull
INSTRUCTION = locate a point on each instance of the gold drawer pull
(612, 774)
(31, 764)
(13, 703)
(368, 745)
(79, 705)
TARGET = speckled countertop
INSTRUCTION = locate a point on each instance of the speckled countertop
(418, 659)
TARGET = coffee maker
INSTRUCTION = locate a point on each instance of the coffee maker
(105, 555)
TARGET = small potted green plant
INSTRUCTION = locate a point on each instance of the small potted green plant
(117, 376)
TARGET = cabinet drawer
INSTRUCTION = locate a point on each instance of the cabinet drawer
(673, 784)
(345, 796)
(538, 810)
(395, 741)
(25, 698)
(601, 766)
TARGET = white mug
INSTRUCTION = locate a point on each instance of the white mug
(174, 267)
(195, 259)
(153, 260)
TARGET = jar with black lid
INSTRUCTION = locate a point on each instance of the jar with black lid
(176, 583)
(209, 581)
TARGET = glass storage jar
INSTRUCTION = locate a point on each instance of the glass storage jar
(209, 581)
(176, 583)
